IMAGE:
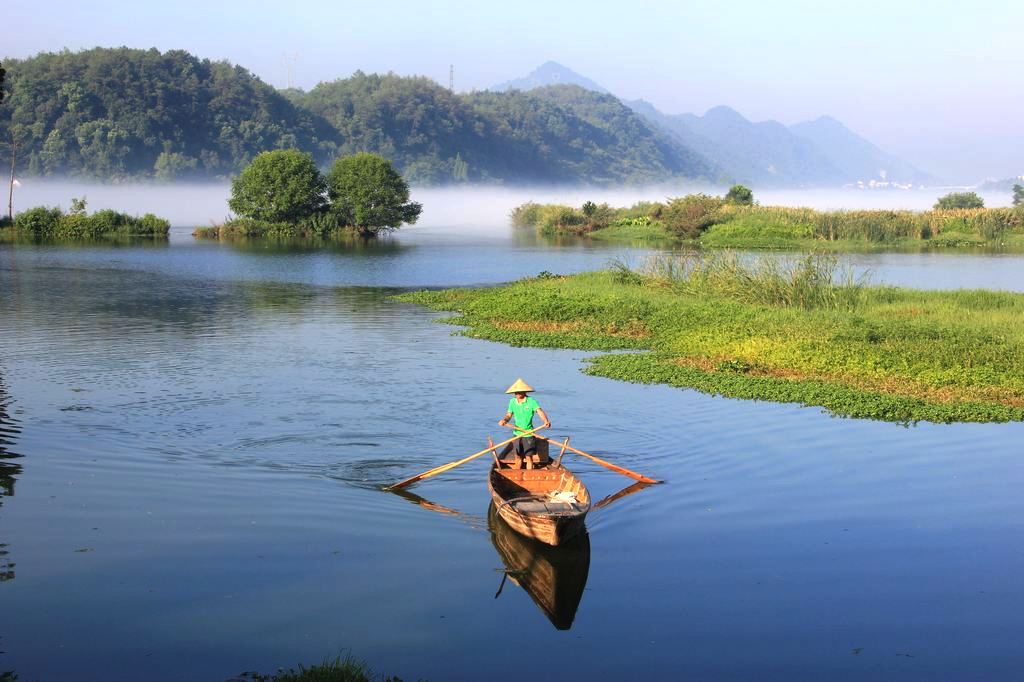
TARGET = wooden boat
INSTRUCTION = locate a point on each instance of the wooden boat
(547, 503)
(553, 577)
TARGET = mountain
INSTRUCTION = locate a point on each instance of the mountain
(855, 157)
(820, 152)
(120, 114)
(764, 153)
(549, 73)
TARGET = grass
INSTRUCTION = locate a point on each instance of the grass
(712, 222)
(796, 331)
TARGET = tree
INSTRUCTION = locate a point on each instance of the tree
(2, 75)
(279, 186)
(960, 200)
(740, 195)
(367, 193)
(1018, 195)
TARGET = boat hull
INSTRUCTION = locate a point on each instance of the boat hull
(521, 499)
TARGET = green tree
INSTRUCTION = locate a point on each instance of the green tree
(589, 208)
(960, 200)
(367, 193)
(1018, 195)
(741, 195)
(279, 186)
(2, 75)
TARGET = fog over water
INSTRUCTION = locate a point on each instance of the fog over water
(194, 205)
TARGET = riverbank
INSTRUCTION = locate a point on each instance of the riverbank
(784, 333)
(699, 220)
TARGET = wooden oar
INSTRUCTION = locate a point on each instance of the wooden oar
(451, 465)
(613, 467)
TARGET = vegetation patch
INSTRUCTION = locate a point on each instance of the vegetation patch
(734, 221)
(800, 330)
(42, 223)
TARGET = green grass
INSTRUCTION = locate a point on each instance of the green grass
(748, 332)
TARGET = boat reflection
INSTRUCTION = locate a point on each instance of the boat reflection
(554, 577)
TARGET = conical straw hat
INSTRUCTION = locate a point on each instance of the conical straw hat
(520, 387)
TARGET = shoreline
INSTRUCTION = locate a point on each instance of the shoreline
(893, 354)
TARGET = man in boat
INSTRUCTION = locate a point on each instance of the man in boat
(521, 408)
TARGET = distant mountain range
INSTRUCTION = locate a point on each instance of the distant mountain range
(819, 152)
(120, 114)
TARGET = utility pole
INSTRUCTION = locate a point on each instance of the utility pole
(14, 161)
(451, 78)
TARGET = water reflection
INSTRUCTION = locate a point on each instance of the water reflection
(9, 469)
(553, 577)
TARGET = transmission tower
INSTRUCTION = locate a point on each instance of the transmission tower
(451, 78)
(289, 59)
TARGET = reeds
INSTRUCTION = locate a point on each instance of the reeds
(808, 281)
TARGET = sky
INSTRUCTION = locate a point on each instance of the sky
(940, 84)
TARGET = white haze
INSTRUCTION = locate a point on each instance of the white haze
(459, 209)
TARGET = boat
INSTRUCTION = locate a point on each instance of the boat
(553, 577)
(545, 502)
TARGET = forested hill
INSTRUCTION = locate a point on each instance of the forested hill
(123, 113)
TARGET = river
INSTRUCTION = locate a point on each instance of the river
(193, 438)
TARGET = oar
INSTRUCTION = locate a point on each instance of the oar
(613, 467)
(451, 465)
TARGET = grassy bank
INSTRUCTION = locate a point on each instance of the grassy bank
(42, 223)
(712, 222)
(800, 331)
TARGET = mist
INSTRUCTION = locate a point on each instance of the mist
(461, 209)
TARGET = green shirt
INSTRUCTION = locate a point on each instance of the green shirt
(522, 413)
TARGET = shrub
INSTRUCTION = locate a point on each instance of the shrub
(739, 195)
(39, 221)
(960, 200)
(690, 215)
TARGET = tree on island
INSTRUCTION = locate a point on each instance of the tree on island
(1018, 195)
(279, 186)
(369, 195)
(740, 195)
(960, 200)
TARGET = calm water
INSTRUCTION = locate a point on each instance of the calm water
(193, 437)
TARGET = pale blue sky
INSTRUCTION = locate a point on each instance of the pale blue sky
(939, 83)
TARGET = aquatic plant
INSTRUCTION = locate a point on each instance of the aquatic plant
(800, 330)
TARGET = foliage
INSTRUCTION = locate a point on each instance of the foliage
(872, 351)
(367, 193)
(126, 113)
(689, 216)
(959, 200)
(279, 186)
(3, 76)
(714, 222)
(1018, 195)
(739, 195)
(52, 223)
